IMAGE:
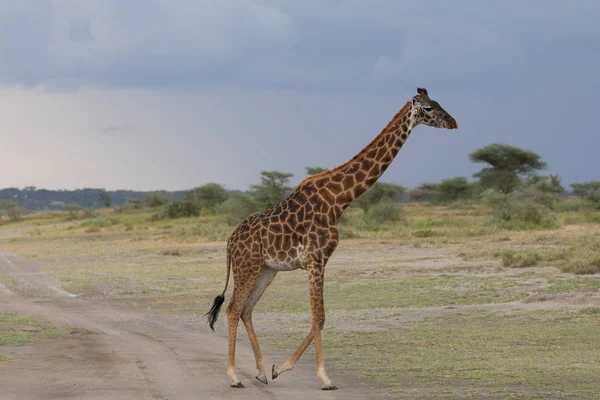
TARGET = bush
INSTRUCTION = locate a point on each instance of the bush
(582, 266)
(237, 207)
(207, 197)
(589, 191)
(424, 192)
(454, 189)
(72, 211)
(384, 212)
(378, 193)
(13, 210)
(521, 259)
(136, 204)
(154, 200)
(181, 209)
(528, 205)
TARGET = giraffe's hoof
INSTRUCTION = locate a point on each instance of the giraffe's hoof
(329, 387)
(263, 379)
(274, 373)
(237, 385)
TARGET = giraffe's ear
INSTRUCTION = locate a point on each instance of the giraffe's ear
(422, 92)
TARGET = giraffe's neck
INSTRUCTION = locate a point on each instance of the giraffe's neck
(342, 185)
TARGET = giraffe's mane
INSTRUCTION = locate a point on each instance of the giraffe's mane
(364, 151)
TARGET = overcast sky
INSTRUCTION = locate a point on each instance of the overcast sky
(171, 94)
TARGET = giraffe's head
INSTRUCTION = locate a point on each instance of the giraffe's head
(429, 112)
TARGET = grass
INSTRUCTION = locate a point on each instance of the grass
(444, 303)
(16, 330)
(481, 355)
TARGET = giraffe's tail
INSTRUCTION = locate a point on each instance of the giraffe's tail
(213, 314)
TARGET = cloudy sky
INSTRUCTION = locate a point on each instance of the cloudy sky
(171, 94)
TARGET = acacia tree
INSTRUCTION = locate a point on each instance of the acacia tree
(314, 170)
(273, 187)
(589, 191)
(208, 196)
(105, 199)
(506, 165)
(13, 209)
(586, 189)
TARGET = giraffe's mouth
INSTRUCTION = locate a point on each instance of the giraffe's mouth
(451, 123)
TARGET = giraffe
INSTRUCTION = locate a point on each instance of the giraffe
(300, 233)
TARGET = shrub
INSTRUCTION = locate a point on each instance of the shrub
(521, 259)
(528, 205)
(384, 212)
(207, 197)
(423, 192)
(237, 207)
(154, 200)
(582, 266)
(13, 210)
(450, 190)
(181, 209)
(378, 193)
(136, 204)
(589, 191)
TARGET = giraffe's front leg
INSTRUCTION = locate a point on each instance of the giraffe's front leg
(289, 364)
(317, 320)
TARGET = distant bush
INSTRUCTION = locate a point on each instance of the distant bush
(72, 210)
(207, 197)
(521, 259)
(237, 207)
(181, 209)
(454, 189)
(384, 212)
(378, 193)
(154, 200)
(549, 184)
(14, 211)
(582, 266)
(585, 257)
(136, 204)
(423, 192)
(588, 191)
(528, 204)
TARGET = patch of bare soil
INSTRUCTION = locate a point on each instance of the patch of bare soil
(107, 353)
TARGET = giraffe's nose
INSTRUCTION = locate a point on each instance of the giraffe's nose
(452, 124)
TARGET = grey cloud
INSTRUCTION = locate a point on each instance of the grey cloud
(116, 128)
(310, 45)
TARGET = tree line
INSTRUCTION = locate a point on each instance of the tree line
(510, 175)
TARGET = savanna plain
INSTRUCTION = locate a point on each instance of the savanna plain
(442, 301)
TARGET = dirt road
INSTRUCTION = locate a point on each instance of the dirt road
(106, 353)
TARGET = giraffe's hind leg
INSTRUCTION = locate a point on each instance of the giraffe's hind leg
(264, 280)
(241, 291)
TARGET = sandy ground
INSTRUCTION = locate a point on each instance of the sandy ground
(106, 353)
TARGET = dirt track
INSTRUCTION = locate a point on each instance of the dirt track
(107, 353)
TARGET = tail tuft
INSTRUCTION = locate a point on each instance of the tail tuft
(214, 311)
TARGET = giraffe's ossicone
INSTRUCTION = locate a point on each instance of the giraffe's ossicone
(300, 233)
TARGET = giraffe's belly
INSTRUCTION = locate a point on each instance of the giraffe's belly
(284, 265)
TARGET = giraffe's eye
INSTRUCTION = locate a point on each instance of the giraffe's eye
(427, 108)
